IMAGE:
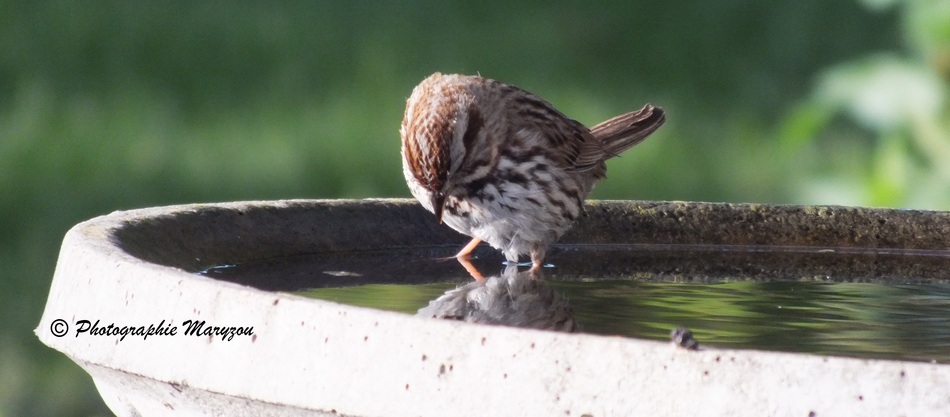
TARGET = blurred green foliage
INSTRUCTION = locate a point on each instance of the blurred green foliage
(116, 105)
(902, 98)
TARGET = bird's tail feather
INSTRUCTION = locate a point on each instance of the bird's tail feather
(626, 130)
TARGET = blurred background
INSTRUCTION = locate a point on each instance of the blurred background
(117, 105)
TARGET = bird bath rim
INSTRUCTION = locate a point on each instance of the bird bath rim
(322, 358)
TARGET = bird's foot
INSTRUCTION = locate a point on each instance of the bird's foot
(464, 257)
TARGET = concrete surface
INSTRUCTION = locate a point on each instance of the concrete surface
(314, 358)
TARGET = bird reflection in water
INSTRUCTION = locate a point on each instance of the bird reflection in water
(513, 298)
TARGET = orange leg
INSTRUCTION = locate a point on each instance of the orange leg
(466, 252)
(537, 260)
(463, 257)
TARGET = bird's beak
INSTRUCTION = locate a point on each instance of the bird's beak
(438, 202)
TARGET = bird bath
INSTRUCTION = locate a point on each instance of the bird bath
(147, 302)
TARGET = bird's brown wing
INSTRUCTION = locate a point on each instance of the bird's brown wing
(567, 142)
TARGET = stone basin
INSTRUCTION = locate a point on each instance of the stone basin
(267, 352)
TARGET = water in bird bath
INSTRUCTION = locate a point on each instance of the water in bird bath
(836, 301)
